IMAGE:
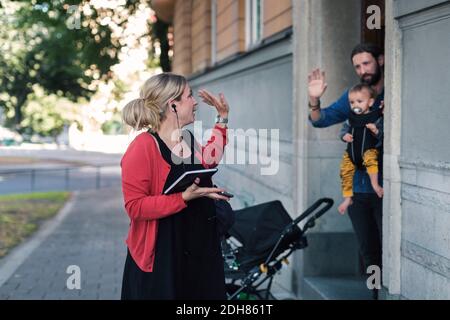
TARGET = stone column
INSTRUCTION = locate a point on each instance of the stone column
(392, 211)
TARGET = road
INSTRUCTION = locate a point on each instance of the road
(38, 180)
(53, 170)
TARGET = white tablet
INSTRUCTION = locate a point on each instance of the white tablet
(188, 178)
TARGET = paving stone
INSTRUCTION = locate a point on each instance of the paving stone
(91, 237)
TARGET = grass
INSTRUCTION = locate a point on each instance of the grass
(22, 214)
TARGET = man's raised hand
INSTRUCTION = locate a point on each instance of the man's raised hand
(316, 85)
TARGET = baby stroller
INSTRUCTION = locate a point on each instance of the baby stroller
(261, 239)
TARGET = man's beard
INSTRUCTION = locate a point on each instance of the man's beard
(373, 78)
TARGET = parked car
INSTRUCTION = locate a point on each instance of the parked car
(9, 137)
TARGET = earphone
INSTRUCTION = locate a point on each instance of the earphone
(174, 107)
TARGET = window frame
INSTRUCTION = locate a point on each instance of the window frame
(254, 23)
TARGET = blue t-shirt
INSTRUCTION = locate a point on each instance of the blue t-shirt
(339, 112)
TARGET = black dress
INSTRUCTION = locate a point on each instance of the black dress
(188, 261)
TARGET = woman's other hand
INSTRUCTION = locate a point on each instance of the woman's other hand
(195, 191)
(220, 103)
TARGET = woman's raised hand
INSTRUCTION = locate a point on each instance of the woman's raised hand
(220, 103)
(195, 191)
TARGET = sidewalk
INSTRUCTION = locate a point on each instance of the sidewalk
(90, 235)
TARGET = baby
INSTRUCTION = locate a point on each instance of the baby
(364, 136)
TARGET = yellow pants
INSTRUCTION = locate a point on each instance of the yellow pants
(370, 162)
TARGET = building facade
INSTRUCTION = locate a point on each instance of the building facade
(259, 53)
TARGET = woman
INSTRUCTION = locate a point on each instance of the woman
(173, 244)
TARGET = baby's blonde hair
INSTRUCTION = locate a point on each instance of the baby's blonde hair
(150, 109)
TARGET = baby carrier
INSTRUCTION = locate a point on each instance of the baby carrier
(362, 137)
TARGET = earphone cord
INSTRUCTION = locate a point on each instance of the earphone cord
(180, 141)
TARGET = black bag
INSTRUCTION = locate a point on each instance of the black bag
(225, 216)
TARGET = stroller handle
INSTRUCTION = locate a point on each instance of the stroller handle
(329, 203)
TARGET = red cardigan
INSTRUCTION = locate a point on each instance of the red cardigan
(144, 173)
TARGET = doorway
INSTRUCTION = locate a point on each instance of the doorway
(375, 36)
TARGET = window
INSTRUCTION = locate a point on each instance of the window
(254, 22)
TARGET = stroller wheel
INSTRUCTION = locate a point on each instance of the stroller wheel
(243, 295)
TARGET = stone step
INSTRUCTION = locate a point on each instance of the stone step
(336, 288)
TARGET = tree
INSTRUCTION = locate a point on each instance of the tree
(47, 115)
(160, 32)
(39, 46)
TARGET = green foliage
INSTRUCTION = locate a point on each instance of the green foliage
(47, 115)
(113, 127)
(119, 90)
(160, 31)
(40, 44)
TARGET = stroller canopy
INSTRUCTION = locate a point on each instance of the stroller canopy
(258, 228)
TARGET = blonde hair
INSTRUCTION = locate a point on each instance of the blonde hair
(150, 109)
